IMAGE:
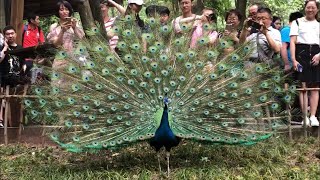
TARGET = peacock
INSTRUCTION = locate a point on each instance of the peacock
(157, 89)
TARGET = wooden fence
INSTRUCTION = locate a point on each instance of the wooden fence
(14, 131)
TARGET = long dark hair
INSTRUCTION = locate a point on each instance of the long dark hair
(65, 4)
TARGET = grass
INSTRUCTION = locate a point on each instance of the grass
(273, 159)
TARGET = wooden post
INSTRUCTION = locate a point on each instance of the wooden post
(86, 15)
(25, 89)
(2, 14)
(305, 109)
(17, 7)
(6, 115)
(43, 135)
(289, 113)
(197, 8)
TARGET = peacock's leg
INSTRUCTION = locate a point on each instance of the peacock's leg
(158, 155)
(168, 163)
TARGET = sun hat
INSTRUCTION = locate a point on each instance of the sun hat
(138, 2)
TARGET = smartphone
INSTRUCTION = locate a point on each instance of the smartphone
(68, 19)
(254, 24)
(299, 68)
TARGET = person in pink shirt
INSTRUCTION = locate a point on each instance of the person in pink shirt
(63, 33)
(209, 17)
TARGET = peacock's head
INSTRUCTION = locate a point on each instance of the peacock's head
(166, 100)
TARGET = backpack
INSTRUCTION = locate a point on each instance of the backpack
(25, 28)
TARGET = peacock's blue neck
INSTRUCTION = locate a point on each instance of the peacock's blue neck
(164, 135)
(165, 118)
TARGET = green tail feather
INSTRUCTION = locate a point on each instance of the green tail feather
(108, 101)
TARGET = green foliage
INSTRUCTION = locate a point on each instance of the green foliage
(283, 8)
(45, 23)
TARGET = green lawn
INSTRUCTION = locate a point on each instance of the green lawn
(273, 159)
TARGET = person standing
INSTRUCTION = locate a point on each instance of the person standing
(64, 34)
(32, 36)
(12, 67)
(208, 17)
(187, 16)
(305, 54)
(67, 29)
(105, 5)
(276, 23)
(32, 33)
(266, 41)
(285, 38)
(253, 11)
(232, 32)
(134, 7)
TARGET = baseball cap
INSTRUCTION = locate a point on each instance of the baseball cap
(138, 2)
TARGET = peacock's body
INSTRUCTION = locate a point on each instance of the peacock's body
(157, 89)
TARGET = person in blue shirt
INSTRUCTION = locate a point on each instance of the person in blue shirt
(285, 38)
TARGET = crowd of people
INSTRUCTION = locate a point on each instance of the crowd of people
(298, 43)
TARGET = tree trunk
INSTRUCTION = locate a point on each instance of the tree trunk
(97, 16)
(2, 14)
(241, 6)
(197, 9)
(17, 8)
(175, 7)
(86, 15)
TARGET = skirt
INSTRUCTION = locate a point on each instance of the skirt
(304, 55)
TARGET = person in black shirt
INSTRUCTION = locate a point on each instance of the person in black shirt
(12, 67)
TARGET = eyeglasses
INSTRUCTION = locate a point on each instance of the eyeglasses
(262, 18)
(233, 19)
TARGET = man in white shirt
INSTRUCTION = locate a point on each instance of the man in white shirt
(266, 41)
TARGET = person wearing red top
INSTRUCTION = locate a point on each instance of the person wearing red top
(32, 36)
(32, 33)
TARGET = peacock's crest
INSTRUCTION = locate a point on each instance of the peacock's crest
(99, 99)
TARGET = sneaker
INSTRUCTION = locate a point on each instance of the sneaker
(1, 124)
(314, 121)
(308, 122)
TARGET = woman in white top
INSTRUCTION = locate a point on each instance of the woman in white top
(304, 48)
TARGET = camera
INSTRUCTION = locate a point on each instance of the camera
(212, 17)
(254, 24)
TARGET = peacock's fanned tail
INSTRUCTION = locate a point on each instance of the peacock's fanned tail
(98, 99)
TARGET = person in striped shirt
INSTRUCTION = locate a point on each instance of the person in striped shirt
(105, 5)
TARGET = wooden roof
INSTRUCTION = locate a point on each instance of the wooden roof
(48, 7)
(45, 7)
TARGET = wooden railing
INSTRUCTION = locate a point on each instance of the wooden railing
(8, 95)
(7, 98)
(304, 90)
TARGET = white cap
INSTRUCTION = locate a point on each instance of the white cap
(138, 2)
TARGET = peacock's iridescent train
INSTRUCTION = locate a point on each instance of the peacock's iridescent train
(157, 89)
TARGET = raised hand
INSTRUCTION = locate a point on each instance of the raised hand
(315, 60)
